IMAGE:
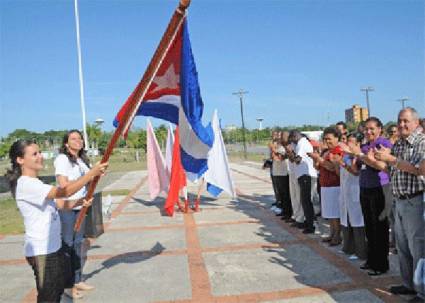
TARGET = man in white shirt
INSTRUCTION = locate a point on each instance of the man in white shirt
(304, 171)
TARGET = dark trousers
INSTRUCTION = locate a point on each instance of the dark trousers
(373, 202)
(49, 276)
(275, 189)
(282, 188)
(305, 196)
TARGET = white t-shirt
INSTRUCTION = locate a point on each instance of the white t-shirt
(64, 167)
(306, 166)
(41, 218)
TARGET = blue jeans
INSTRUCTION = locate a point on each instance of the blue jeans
(71, 242)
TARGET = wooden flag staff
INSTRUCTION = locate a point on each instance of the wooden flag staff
(139, 93)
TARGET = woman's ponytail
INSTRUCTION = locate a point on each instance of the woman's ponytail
(16, 150)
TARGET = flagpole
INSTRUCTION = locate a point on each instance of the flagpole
(139, 93)
(80, 74)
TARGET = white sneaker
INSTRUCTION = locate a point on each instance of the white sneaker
(353, 257)
(273, 208)
(278, 211)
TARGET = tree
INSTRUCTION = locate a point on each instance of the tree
(4, 149)
(93, 133)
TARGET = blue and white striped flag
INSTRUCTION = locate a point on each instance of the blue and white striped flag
(174, 95)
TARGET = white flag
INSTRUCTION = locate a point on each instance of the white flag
(158, 176)
(218, 174)
(169, 148)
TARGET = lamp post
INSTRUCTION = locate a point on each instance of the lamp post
(260, 128)
(403, 102)
(367, 89)
(240, 93)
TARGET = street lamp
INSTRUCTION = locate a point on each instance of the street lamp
(367, 89)
(240, 93)
(403, 101)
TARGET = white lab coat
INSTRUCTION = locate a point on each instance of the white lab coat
(350, 198)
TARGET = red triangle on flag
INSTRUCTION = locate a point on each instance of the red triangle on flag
(178, 177)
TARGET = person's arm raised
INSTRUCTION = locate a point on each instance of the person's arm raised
(74, 186)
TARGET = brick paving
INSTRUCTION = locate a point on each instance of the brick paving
(234, 250)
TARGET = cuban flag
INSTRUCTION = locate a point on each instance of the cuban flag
(174, 96)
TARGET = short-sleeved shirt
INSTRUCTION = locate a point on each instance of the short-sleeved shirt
(41, 218)
(412, 150)
(306, 166)
(329, 178)
(369, 176)
(64, 167)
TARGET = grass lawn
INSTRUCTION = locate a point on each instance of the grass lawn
(11, 221)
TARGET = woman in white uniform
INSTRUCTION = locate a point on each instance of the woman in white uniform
(330, 183)
(71, 164)
(354, 237)
(41, 219)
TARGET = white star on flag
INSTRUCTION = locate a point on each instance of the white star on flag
(168, 80)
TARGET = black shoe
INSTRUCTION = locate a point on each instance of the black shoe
(401, 290)
(301, 225)
(416, 299)
(289, 220)
(375, 272)
(279, 215)
(365, 266)
(308, 230)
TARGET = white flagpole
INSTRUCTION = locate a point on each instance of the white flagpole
(80, 74)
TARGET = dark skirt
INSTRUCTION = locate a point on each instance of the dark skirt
(49, 276)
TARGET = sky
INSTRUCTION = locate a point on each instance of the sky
(302, 62)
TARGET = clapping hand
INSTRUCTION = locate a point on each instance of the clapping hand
(335, 159)
(383, 154)
(315, 156)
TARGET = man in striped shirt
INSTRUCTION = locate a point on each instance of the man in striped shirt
(407, 161)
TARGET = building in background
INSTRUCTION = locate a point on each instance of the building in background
(356, 114)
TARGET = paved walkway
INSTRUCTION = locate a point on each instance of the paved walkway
(231, 251)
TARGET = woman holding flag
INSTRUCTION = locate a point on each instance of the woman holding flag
(36, 203)
(71, 164)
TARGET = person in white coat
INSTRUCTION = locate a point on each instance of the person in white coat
(351, 216)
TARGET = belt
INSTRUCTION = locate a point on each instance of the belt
(410, 196)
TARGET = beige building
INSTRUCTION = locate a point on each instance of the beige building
(356, 114)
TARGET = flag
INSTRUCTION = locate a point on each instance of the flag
(218, 176)
(158, 176)
(174, 95)
(169, 148)
(178, 177)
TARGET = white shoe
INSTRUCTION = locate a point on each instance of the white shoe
(273, 208)
(278, 211)
(353, 257)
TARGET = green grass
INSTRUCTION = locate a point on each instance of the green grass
(11, 221)
(238, 157)
(117, 192)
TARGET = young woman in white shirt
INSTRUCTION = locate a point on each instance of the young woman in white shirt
(71, 164)
(35, 201)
